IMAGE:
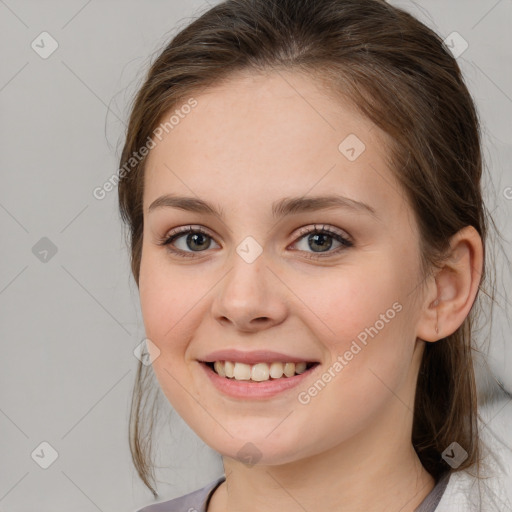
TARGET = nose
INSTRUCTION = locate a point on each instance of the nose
(250, 297)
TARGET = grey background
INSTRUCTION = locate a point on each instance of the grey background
(69, 325)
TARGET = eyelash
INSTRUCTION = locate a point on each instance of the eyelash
(346, 243)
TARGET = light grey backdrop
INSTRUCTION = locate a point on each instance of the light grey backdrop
(70, 316)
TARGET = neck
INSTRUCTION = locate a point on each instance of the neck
(374, 469)
(392, 481)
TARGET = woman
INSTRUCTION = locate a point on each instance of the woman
(301, 181)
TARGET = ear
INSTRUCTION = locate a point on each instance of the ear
(452, 289)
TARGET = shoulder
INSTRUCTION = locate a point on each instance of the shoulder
(467, 493)
(192, 502)
(491, 492)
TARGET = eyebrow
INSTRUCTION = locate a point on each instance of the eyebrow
(281, 208)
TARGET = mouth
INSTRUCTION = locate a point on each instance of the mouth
(260, 381)
(259, 372)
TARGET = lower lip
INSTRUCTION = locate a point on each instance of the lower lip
(254, 390)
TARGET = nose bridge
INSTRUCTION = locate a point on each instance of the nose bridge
(246, 283)
(248, 291)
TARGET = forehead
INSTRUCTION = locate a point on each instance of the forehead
(266, 136)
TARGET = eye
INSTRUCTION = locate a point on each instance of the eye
(322, 239)
(198, 238)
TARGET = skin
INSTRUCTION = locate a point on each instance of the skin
(249, 142)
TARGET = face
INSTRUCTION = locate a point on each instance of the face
(329, 283)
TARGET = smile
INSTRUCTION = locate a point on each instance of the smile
(256, 381)
(258, 372)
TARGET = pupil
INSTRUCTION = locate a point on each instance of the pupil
(322, 243)
(192, 237)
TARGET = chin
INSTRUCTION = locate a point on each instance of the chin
(257, 449)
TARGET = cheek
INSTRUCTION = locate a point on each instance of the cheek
(166, 310)
(351, 301)
(362, 316)
(166, 302)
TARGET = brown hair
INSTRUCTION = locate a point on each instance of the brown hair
(397, 72)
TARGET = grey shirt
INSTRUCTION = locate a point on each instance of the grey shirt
(197, 501)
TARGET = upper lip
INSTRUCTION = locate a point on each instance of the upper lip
(253, 357)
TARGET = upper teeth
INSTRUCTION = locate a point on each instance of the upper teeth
(259, 371)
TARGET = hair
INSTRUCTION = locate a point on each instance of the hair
(396, 72)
